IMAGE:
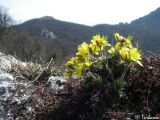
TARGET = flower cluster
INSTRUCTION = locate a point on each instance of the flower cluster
(84, 57)
(125, 49)
(86, 53)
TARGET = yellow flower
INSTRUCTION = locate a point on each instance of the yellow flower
(135, 55)
(124, 53)
(121, 40)
(78, 70)
(71, 63)
(94, 49)
(99, 41)
(83, 49)
(118, 37)
(126, 42)
(86, 53)
(75, 68)
(95, 39)
(87, 61)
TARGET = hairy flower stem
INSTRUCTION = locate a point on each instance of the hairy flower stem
(107, 67)
(125, 71)
(90, 73)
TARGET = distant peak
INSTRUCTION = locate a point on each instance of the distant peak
(47, 18)
(158, 9)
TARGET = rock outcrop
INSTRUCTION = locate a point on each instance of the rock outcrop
(48, 34)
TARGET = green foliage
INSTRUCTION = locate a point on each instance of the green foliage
(119, 85)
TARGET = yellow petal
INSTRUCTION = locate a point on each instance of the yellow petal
(135, 54)
(139, 63)
(118, 37)
(124, 53)
(67, 74)
(112, 51)
(88, 64)
(99, 41)
(94, 49)
(78, 70)
(83, 49)
(117, 46)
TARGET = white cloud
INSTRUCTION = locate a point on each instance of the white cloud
(82, 11)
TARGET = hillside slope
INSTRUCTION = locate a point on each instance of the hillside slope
(66, 36)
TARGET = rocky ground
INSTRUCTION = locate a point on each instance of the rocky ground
(30, 91)
(25, 84)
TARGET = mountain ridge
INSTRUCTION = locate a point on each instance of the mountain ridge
(69, 35)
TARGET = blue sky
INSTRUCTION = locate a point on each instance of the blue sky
(88, 12)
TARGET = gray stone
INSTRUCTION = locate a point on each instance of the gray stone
(56, 82)
(6, 62)
(48, 34)
(6, 77)
(2, 90)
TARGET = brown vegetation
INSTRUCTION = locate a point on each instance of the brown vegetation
(141, 96)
